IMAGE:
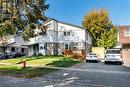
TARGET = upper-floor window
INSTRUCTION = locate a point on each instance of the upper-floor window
(49, 26)
(66, 33)
(62, 28)
(127, 33)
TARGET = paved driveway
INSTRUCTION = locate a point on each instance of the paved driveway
(82, 75)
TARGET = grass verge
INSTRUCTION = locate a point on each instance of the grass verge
(28, 72)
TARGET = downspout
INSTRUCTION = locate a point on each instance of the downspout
(85, 42)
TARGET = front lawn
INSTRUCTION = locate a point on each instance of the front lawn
(57, 61)
(29, 72)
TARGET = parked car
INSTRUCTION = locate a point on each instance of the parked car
(15, 54)
(91, 57)
(113, 55)
(4, 56)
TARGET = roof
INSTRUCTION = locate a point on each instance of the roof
(6, 44)
(124, 26)
(50, 19)
(29, 44)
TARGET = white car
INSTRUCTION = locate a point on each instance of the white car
(92, 57)
(113, 55)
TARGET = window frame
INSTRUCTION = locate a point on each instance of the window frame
(67, 33)
(126, 32)
(68, 46)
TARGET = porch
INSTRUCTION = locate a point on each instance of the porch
(41, 49)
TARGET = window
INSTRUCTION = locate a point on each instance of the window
(41, 48)
(127, 32)
(12, 49)
(66, 33)
(67, 46)
(22, 50)
(45, 46)
(49, 26)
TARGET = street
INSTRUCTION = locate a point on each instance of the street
(82, 75)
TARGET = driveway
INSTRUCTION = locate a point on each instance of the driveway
(82, 75)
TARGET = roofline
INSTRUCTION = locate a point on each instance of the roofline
(124, 26)
(50, 19)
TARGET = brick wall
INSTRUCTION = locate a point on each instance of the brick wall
(122, 38)
(126, 54)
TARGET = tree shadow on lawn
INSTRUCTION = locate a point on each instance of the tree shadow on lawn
(37, 57)
(28, 72)
(64, 62)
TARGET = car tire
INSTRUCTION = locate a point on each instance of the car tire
(120, 63)
(98, 61)
(3, 58)
(106, 62)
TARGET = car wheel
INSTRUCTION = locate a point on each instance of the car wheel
(3, 57)
(120, 63)
(97, 61)
(106, 62)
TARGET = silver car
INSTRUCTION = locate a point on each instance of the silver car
(113, 55)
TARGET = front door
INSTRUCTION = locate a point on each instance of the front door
(43, 48)
(36, 49)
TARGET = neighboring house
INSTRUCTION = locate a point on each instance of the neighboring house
(60, 36)
(14, 44)
(124, 40)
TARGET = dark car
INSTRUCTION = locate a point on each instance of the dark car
(15, 54)
(4, 56)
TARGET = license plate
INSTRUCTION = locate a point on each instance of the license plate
(113, 56)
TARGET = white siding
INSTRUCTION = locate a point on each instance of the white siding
(76, 34)
(77, 37)
(55, 33)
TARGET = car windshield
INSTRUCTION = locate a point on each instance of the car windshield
(113, 52)
(92, 54)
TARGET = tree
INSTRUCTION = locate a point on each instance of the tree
(22, 15)
(101, 27)
(108, 39)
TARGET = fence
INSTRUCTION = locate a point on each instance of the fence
(77, 54)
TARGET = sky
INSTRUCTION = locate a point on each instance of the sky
(73, 11)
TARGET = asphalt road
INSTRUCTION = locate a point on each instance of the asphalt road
(82, 75)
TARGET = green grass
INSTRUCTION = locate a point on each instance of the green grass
(29, 72)
(58, 61)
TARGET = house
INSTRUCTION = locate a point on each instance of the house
(13, 44)
(124, 40)
(59, 37)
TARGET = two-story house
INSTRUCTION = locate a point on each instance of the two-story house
(58, 37)
(124, 40)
